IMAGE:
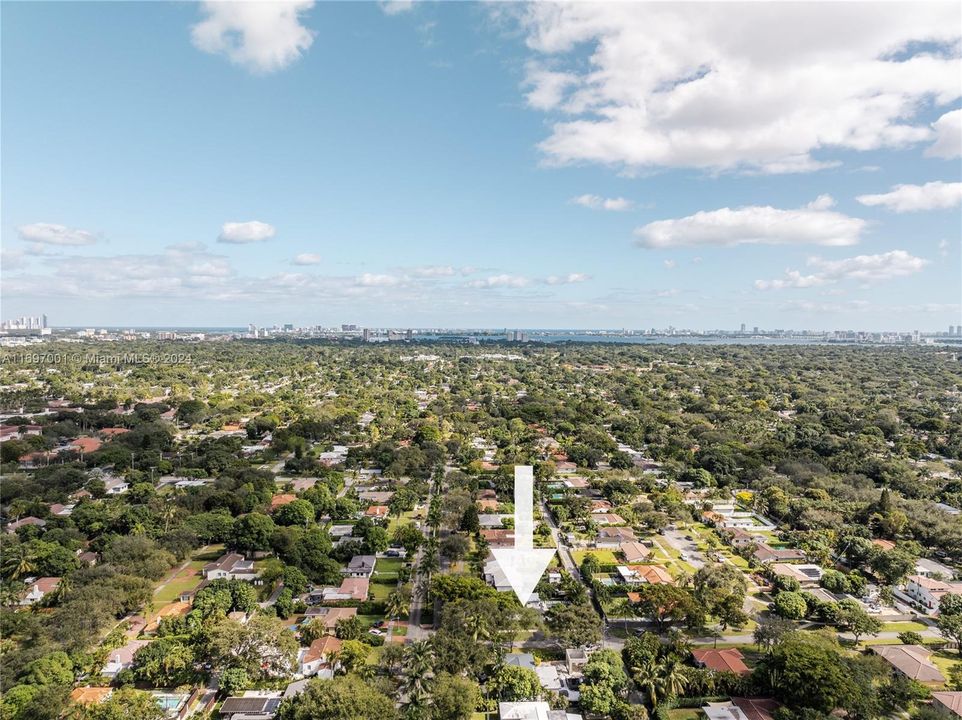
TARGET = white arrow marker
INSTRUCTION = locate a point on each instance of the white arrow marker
(523, 566)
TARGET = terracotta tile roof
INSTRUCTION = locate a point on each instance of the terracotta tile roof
(322, 647)
(86, 444)
(726, 660)
(282, 499)
(377, 511)
(90, 695)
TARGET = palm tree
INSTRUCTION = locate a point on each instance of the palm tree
(646, 677)
(674, 678)
(419, 661)
(19, 562)
(397, 605)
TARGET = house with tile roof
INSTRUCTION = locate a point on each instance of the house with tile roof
(723, 660)
(38, 588)
(320, 658)
(912, 661)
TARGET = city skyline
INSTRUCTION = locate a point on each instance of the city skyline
(459, 165)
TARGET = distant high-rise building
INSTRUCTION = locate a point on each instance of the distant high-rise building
(755, 331)
(743, 327)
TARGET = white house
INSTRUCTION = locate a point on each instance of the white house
(122, 658)
(231, 566)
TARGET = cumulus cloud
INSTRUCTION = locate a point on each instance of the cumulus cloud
(862, 268)
(52, 234)
(568, 279)
(670, 264)
(262, 37)
(936, 195)
(596, 202)
(763, 89)
(240, 233)
(500, 281)
(948, 136)
(376, 280)
(813, 224)
(396, 7)
(307, 259)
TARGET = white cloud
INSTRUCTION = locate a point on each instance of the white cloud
(52, 234)
(568, 279)
(396, 7)
(307, 259)
(496, 281)
(240, 233)
(547, 86)
(670, 264)
(911, 198)
(262, 37)
(862, 268)
(944, 247)
(375, 280)
(948, 136)
(822, 202)
(754, 225)
(596, 202)
(761, 88)
(434, 271)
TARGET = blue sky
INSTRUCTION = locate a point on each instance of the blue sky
(432, 164)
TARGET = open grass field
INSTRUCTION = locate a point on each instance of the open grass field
(605, 557)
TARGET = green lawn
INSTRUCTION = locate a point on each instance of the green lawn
(903, 627)
(605, 557)
(387, 568)
(945, 660)
(380, 590)
(173, 589)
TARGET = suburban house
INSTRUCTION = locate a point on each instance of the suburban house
(254, 707)
(491, 520)
(912, 661)
(377, 511)
(329, 616)
(59, 510)
(764, 553)
(738, 537)
(352, 588)
(361, 566)
(25, 522)
(37, 588)
(231, 566)
(90, 695)
(122, 658)
(644, 574)
(725, 660)
(607, 519)
(634, 552)
(281, 500)
(532, 710)
(115, 485)
(498, 538)
(948, 701)
(741, 709)
(932, 569)
(576, 659)
(494, 576)
(928, 592)
(806, 575)
(319, 658)
(610, 538)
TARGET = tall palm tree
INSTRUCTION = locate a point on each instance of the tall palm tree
(646, 676)
(398, 604)
(674, 678)
(20, 562)
(419, 661)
